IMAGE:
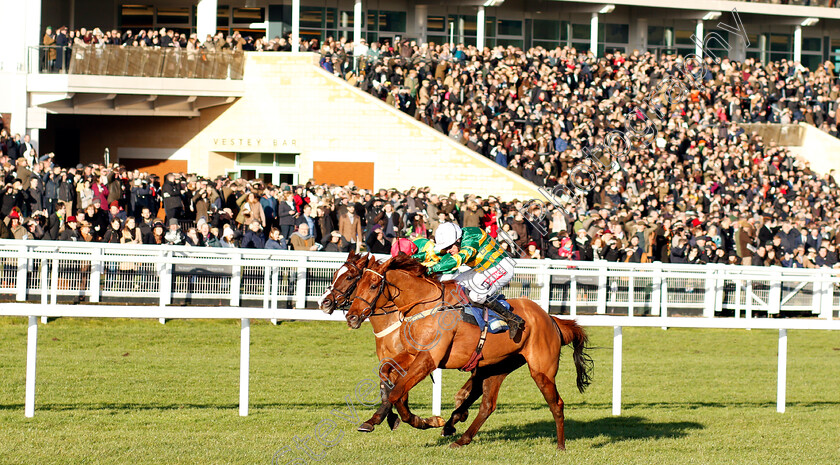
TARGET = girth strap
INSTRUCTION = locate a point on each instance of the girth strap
(476, 356)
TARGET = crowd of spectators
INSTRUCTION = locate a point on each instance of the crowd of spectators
(505, 101)
(704, 191)
(791, 221)
(63, 39)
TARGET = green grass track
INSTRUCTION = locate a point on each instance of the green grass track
(138, 392)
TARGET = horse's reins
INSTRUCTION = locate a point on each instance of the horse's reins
(370, 310)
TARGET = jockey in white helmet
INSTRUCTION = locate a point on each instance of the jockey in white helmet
(490, 267)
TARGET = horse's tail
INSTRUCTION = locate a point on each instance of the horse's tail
(574, 334)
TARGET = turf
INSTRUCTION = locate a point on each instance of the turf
(128, 391)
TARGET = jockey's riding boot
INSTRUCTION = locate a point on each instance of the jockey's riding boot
(514, 321)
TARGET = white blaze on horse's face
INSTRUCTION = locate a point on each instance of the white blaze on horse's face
(341, 271)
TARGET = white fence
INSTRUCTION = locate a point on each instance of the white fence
(52, 271)
(44, 271)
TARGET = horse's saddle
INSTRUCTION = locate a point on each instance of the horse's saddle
(481, 317)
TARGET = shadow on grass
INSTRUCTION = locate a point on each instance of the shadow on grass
(608, 429)
(421, 408)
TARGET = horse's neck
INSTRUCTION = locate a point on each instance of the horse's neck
(423, 292)
(380, 321)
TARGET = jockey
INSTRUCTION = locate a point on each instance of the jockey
(490, 267)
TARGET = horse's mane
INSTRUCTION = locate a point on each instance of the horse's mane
(407, 263)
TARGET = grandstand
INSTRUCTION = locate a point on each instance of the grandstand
(485, 103)
(645, 163)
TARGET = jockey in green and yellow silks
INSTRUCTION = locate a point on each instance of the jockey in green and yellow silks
(425, 253)
(490, 267)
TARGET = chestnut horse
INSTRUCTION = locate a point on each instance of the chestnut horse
(338, 296)
(430, 343)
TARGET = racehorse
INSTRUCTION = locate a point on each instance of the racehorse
(339, 296)
(401, 283)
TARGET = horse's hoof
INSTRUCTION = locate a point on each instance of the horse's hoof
(365, 428)
(454, 445)
(435, 422)
(561, 447)
(394, 421)
(447, 431)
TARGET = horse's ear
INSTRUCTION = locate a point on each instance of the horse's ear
(351, 255)
(384, 265)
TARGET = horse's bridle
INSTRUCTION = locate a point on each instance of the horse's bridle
(370, 310)
(382, 285)
(343, 295)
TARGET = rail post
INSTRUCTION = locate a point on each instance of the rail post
(235, 280)
(244, 366)
(827, 307)
(774, 300)
(54, 282)
(782, 374)
(20, 281)
(616, 391)
(709, 296)
(656, 292)
(165, 281)
(602, 294)
(95, 274)
(31, 355)
(545, 280)
(437, 390)
(300, 285)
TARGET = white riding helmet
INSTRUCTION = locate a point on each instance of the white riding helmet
(446, 235)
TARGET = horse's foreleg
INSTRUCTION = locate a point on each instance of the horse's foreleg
(420, 368)
(388, 375)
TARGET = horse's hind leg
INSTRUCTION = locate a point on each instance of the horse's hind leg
(555, 403)
(490, 383)
(490, 388)
(464, 399)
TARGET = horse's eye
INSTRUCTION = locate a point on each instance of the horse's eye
(373, 286)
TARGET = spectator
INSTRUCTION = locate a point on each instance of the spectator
(286, 214)
(275, 240)
(54, 222)
(250, 210)
(70, 232)
(172, 203)
(228, 237)
(131, 233)
(350, 227)
(174, 236)
(253, 238)
(302, 240)
(18, 231)
(336, 243)
(114, 233)
(85, 232)
(158, 233)
(376, 242)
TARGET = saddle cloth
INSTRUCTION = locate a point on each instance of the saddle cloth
(475, 316)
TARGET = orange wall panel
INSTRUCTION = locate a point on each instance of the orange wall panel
(342, 172)
(155, 166)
